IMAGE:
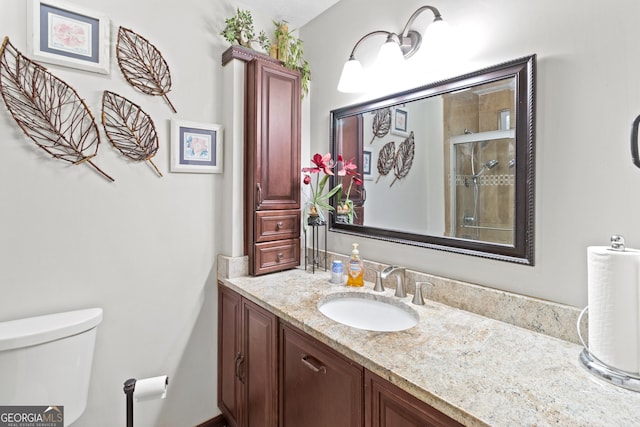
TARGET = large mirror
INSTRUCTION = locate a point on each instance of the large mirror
(447, 166)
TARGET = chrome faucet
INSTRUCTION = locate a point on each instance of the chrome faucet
(400, 292)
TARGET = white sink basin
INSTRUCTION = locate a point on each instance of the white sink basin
(368, 311)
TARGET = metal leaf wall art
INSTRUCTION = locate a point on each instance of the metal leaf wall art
(381, 123)
(400, 161)
(404, 158)
(386, 158)
(142, 65)
(48, 110)
(129, 129)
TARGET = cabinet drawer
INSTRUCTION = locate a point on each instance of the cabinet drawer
(277, 225)
(318, 386)
(276, 256)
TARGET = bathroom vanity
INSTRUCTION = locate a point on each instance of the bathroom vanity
(272, 373)
(454, 367)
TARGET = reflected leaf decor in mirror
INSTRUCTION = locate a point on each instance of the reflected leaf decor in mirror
(463, 179)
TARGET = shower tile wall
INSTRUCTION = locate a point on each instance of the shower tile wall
(479, 111)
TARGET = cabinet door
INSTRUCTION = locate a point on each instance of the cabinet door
(259, 370)
(247, 362)
(318, 386)
(229, 355)
(273, 136)
(387, 405)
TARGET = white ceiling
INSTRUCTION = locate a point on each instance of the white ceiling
(295, 12)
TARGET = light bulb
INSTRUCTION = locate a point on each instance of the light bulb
(352, 77)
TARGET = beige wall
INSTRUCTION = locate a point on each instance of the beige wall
(143, 248)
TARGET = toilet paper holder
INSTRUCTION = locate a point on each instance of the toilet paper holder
(597, 367)
(129, 390)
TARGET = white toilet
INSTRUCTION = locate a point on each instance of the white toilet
(46, 360)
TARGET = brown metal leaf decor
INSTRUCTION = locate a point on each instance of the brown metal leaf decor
(129, 129)
(48, 110)
(386, 159)
(381, 123)
(404, 158)
(142, 65)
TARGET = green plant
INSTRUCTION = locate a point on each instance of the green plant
(291, 52)
(239, 29)
(285, 47)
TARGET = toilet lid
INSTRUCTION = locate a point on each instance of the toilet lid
(40, 329)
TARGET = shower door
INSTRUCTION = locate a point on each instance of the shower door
(482, 191)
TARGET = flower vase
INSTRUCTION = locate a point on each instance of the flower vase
(344, 215)
(315, 219)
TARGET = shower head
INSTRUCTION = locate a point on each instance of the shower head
(489, 165)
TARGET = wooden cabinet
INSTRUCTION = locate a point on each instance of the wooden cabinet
(387, 405)
(273, 374)
(247, 362)
(272, 166)
(318, 386)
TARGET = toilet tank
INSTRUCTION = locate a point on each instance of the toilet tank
(46, 360)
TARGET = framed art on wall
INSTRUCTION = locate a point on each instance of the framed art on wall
(399, 122)
(64, 34)
(366, 164)
(196, 147)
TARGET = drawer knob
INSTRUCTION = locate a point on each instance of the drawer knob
(280, 256)
(279, 225)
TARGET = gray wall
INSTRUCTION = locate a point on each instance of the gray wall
(587, 96)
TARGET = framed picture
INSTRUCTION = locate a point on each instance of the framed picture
(196, 147)
(65, 34)
(367, 160)
(399, 124)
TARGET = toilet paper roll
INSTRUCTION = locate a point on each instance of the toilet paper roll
(614, 301)
(151, 388)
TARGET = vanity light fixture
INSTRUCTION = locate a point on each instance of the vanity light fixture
(392, 53)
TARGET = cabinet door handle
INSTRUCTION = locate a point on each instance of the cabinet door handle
(313, 364)
(259, 188)
(279, 225)
(239, 360)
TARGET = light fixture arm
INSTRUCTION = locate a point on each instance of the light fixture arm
(363, 38)
(436, 13)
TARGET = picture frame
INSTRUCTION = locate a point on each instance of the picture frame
(367, 161)
(64, 34)
(196, 147)
(399, 125)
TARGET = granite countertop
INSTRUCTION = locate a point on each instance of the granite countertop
(477, 370)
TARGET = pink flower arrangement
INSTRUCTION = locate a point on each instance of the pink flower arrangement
(324, 165)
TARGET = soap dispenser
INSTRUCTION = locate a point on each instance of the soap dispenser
(355, 271)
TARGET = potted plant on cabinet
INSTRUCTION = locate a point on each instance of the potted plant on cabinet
(239, 29)
(289, 49)
(284, 46)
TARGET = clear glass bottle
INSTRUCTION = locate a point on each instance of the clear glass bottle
(355, 270)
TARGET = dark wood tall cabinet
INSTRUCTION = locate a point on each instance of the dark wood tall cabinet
(272, 166)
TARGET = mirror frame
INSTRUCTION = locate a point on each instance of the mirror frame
(522, 249)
